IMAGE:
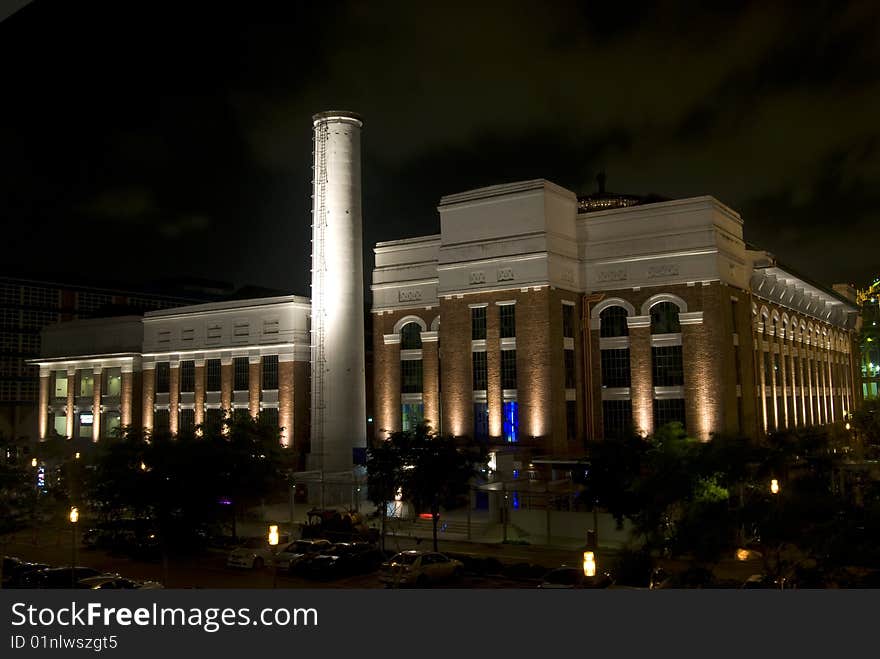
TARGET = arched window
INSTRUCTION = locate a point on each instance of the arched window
(664, 318)
(613, 322)
(410, 337)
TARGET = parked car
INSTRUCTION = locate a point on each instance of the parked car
(294, 552)
(419, 568)
(252, 554)
(567, 576)
(10, 564)
(115, 582)
(62, 577)
(21, 576)
(342, 559)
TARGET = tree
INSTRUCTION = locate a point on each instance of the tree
(430, 469)
(384, 476)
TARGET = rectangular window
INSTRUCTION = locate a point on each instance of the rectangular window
(737, 364)
(481, 420)
(411, 376)
(241, 372)
(270, 372)
(615, 368)
(161, 421)
(187, 334)
(480, 370)
(214, 333)
(411, 415)
(510, 421)
(110, 424)
(187, 376)
(568, 321)
(269, 417)
(571, 420)
(241, 329)
(86, 421)
(164, 336)
(187, 421)
(617, 418)
(508, 321)
(668, 370)
(60, 384)
(478, 323)
(569, 369)
(113, 385)
(212, 375)
(163, 374)
(270, 327)
(61, 425)
(508, 369)
(86, 383)
(668, 410)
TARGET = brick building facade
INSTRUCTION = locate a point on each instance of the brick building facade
(537, 320)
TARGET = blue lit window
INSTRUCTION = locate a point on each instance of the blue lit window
(516, 500)
(516, 473)
(412, 414)
(511, 421)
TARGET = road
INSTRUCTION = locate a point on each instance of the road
(206, 570)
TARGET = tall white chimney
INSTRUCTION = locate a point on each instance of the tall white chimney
(338, 403)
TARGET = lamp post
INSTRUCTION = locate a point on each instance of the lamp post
(74, 518)
(273, 542)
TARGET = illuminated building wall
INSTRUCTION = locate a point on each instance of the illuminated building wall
(174, 369)
(674, 285)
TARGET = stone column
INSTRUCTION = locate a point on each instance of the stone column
(126, 395)
(494, 398)
(199, 393)
(43, 416)
(641, 376)
(149, 393)
(226, 384)
(174, 396)
(386, 380)
(829, 370)
(430, 379)
(701, 393)
(285, 398)
(71, 400)
(96, 403)
(255, 385)
(457, 391)
(794, 385)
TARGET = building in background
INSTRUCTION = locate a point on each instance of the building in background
(29, 305)
(538, 319)
(869, 339)
(178, 368)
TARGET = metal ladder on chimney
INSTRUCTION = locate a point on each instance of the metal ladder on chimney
(319, 319)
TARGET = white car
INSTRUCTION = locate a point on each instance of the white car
(298, 550)
(252, 554)
(419, 568)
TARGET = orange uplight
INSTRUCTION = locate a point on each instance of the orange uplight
(589, 564)
(774, 486)
(742, 554)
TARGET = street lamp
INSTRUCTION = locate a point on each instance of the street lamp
(589, 564)
(74, 518)
(33, 462)
(273, 542)
(774, 486)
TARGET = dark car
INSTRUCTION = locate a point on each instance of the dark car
(10, 564)
(343, 559)
(21, 576)
(63, 577)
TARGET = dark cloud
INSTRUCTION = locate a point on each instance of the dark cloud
(770, 107)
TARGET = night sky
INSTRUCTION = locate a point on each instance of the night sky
(139, 142)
